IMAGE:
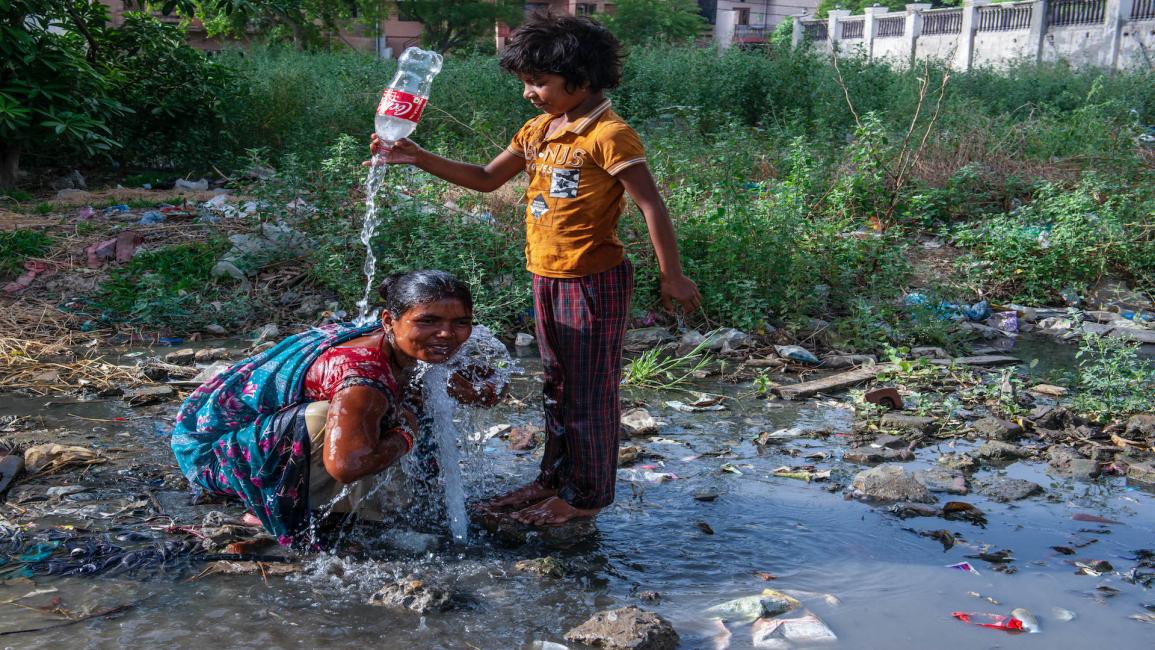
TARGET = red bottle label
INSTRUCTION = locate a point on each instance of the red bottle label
(401, 104)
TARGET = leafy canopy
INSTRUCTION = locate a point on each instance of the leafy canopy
(641, 22)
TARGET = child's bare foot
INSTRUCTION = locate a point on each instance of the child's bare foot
(523, 496)
(552, 512)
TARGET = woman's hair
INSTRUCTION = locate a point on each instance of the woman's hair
(577, 48)
(401, 292)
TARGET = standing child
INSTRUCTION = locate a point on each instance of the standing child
(581, 159)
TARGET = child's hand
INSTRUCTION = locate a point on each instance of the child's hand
(403, 152)
(681, 289)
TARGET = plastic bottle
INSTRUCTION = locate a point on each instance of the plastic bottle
(404, 100)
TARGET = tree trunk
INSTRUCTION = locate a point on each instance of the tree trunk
(9, 165)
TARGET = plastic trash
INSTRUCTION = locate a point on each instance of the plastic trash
(993, 621)
(114, 209)
(271, 243)
(151, 217)
(85, 213)
(964, 566)
(797, 353)
(787, 633)
(645, 476)
(1030, 623)
(195, 186)
(1005, 321)
(770, 602)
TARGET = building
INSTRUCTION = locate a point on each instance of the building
(752, 21)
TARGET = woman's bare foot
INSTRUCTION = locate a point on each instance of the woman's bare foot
(251, 520)
(523, 496)
(552, 512)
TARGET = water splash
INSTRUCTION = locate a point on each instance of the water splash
(373, 183)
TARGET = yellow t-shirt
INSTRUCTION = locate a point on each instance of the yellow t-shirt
(574, 200)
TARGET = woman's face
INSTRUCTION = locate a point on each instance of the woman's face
(431, 332)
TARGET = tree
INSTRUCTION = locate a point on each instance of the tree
(52, 91)
(453, 24)
(640, 22)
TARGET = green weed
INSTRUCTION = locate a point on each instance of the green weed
(17, 246)
(1113, 380)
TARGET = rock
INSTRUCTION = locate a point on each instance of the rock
(523, 340)
(1097, 329)
(208, 355)
(1102, 316)
(873, 455)
(211, 371)
(1003, 489)
(1143, 337)
(71, 181)
(628, 455)
(889, 483)
(997, 450)
(267, 332)
(413, 594)
(628, 628)
(837, 361)
(148, 394)
(181, 357)
(1143, 472)
(214, 328)
(960, 461)
(309, 307)
(546, 567)
(706, 494)
(932, 352)
(1068, 462)
(526, 437)
(942, 479)
(1049, 390)
(984, 332)
(1140, 426)
(638, 422)
(906, 422)
(647, 337)
(890, 442)
(998, 429)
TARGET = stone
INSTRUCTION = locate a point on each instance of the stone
(1143, 337)
(907, 422)
(148, 394)
(960, 461)
(180, 357)
(267, 332)
(414, 595)
(1102, 316)
(996, 428)
(873, 455)
(71, 181)
(1143, 472)
(215, 328)
(1049, 390)
(647, 337)
(942, 479)
(208, 355)
(1004, 490)
(889, 483)
(628, 628)
(210, 372)
(997, 450)
(1097, 329)
(525, 437)
(984, 332)
(546, 567)
(1140, 426)
(838, 361)
(73, 196)
(1056, 325)
(628, 455)
(638, 422)
(1066, 461)
(931, 352)
(523, 340)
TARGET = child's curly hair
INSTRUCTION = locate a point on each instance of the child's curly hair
(579, 49)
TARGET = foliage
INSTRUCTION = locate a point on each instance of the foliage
(1067, 238)
(18, 245)
(53, 95)
(176, 91)
(657, 370)
(645, 22)
(449, 25)
(1113, 380)
(306, 24)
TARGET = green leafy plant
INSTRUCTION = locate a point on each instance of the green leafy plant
(1113, 380)
(657, 370)
(17, 246)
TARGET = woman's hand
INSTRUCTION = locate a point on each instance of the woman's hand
(471, 385)
(402, 152)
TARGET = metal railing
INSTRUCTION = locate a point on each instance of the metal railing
(1004, 18)
(815, 30)
(852, 28)
(947, 21)
(1142, 9)
(890, 27)
(1076, 12)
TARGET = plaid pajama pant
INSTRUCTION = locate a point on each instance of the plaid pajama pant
(580, 326)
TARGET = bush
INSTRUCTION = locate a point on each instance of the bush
(1113, 381)
(17, 246)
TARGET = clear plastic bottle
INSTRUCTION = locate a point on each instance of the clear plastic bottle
(404, 100)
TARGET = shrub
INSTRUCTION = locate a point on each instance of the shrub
(17, 246)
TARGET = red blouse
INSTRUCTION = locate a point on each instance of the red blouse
(341, 367)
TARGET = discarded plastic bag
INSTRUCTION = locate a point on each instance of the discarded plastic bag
(782, 634)
(271, 243)
(993, 621)
(706, 403)
(645, 475)
(51, 457)
(797, 353)
(770, 602)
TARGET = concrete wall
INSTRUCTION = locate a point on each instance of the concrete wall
(997, 36)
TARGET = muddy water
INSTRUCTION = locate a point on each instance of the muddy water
(876, 583)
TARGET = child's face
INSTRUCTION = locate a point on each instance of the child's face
(548, 92)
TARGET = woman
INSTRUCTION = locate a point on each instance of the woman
(245, 432)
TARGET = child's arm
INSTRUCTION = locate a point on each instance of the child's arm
(675, 286)
(475, 177)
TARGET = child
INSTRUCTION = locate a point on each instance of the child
(581, 159)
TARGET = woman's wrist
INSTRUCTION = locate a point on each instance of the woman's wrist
(405, 436)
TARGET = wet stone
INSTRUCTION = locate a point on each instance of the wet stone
(942, 479)
(1004, 490)
(546, 567)
(889, 483)
(993, 427)
(907, 422)
(647, 337)
(414, 595)
(638, 423)
(208, 355)
(1140, 471)
(180, 357)
(147, 394)
(628, 628)
(873, 456)
(995, 450)
(1140, 426)
(932, 352)
(960, 461)
(1067, 462)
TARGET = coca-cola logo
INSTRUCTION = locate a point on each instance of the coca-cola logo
(403, 105)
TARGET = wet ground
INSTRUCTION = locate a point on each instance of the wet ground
(867, 573)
